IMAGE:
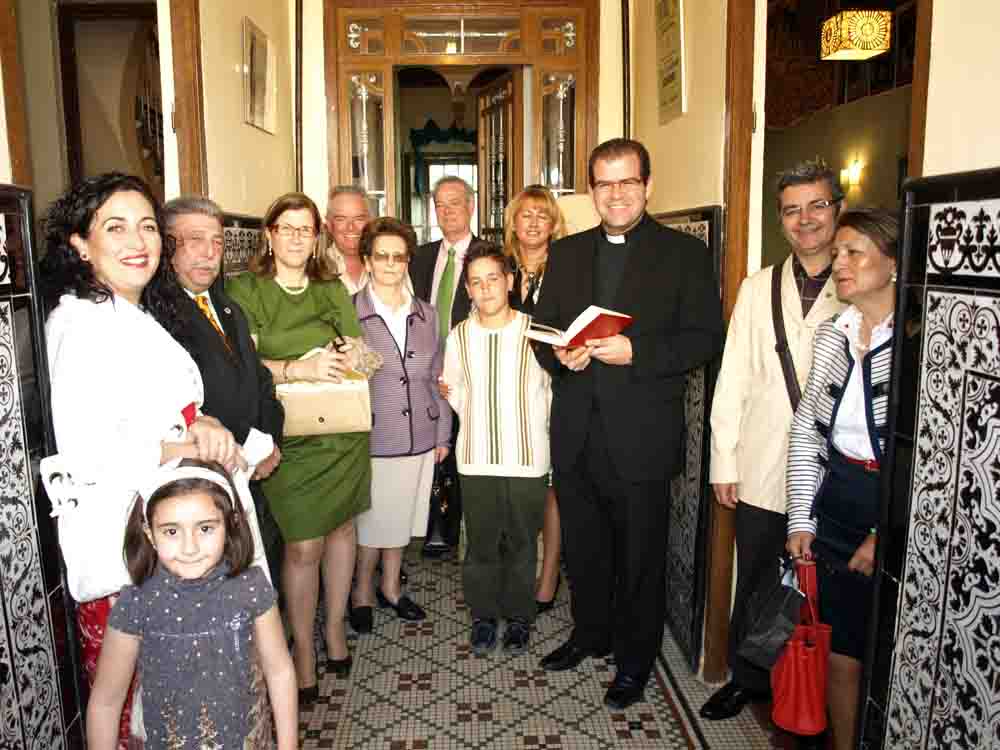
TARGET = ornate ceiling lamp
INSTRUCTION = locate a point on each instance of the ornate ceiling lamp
(856, 35)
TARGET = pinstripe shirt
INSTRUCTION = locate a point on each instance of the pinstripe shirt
(811, 435)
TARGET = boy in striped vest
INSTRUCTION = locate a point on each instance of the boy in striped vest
(501, 396)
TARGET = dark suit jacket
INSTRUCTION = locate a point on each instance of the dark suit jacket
(239, 390)
(669, 288)
(422, 276)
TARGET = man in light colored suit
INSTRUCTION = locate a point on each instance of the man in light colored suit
(752, 410)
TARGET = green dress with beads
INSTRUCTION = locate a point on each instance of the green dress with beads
(325, 480)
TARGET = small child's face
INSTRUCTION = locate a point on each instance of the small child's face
(189, 534)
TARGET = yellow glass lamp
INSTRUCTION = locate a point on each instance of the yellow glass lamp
(856, 35)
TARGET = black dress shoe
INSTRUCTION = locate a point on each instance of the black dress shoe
(728, 701)
(361, 618)
(625, 690)
(569, 655)
(405, 608)
(543, 606)
(340, 667)
(308, 695)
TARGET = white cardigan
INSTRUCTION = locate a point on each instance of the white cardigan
(751, 413)
(119, 385)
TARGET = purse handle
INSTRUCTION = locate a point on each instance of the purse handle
(808, 586)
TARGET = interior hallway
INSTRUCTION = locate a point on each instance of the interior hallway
(418, 685)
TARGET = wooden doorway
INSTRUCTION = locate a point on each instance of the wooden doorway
(364, 45)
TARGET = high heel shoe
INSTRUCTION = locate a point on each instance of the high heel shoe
(360, 618)
(308, 695)
(340, 667)
(543, 606)
(405, 608)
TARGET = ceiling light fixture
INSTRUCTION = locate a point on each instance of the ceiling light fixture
(856, 35)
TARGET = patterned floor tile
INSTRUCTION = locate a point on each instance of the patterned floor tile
(417, 686)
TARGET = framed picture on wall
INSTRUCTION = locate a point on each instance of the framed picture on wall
(259, 78)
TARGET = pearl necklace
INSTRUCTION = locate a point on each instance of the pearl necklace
(293, 290)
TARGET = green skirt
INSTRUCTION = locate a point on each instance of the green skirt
(321, 483)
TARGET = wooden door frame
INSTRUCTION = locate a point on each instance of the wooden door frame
(485, 7)
(14, 97)
(188, 113)
(739, 123)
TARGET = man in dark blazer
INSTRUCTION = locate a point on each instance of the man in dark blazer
(454, 204)
(239, 390)
(617, 418)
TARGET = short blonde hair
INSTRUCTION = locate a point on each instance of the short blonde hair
(540, 193)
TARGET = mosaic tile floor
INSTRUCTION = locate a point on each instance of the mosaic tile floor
(417, 686)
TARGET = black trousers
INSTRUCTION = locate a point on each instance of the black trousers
(614, 535)
(760, 541)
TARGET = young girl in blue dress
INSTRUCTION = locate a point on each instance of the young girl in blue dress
(200, 624)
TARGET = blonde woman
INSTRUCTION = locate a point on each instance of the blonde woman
(531, 222)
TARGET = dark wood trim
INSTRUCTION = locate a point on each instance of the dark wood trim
(189, 104)
(739, 134)
(14, 97)
(918, 91)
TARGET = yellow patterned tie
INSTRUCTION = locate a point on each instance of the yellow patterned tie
(202, 301)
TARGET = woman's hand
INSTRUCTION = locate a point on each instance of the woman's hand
(327, 366)
(799, 546)
(863, 559)
(215, 443)
(441, 453)
(444, 389)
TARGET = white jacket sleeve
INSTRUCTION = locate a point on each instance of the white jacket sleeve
(732, 391)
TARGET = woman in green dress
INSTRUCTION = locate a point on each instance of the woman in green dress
(295, 303)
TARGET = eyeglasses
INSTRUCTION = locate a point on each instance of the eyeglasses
(287, 232)
(626, 186)
(391, 258)
(788, 212)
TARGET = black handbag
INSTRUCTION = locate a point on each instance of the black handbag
(772, 613)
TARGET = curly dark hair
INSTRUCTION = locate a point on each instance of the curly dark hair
(64, 271)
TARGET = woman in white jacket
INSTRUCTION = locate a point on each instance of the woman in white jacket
(125, 395)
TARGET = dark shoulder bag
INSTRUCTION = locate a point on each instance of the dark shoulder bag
(781, 347)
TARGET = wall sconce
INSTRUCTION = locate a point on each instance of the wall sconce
(851, 176)
(856, 35)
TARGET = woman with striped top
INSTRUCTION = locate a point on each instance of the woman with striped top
(502, 396)
(836, 450)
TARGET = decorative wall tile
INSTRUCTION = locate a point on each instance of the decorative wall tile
(964, 239)
(28, 632)
(946, 672)
(240, 246)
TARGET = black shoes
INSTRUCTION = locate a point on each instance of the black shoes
(625, 690)
(516, 637)
(340, 667)
(546, 606)
(484, 636)
(405, 608)
(361, 618)
(728, 701)
(308, 696)
(569, 655)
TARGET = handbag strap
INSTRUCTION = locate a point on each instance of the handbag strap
(806, 575)
(781, 347)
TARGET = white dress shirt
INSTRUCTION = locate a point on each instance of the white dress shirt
(395, 320)
(850, 430)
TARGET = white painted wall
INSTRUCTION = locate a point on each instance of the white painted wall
(315, 158)
(171, 173)
(962, 105)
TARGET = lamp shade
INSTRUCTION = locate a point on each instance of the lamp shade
(856, 35)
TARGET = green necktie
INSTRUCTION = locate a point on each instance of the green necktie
(446, 291)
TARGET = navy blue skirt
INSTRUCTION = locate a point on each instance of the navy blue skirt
(846, 509)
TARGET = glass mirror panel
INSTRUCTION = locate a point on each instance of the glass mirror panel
(558, 136)
(365, 36)
(559, 36)
(452, 35)
(367, 112)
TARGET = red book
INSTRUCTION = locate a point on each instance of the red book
(593, 323)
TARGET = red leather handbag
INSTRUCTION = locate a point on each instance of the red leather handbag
(798, 678)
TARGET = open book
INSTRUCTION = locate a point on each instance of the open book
(593, 323)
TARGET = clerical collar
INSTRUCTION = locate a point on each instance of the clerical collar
(623, 238)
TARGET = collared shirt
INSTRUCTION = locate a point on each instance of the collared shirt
(809, 286)
(395, 320)
(208, 298)
(340, 264)
(850, 431)
(442, 259)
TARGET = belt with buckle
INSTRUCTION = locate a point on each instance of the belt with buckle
(868, 464)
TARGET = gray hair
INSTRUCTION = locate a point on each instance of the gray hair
(191, 204)
(338, 190)
(807, 172)
(456, 180)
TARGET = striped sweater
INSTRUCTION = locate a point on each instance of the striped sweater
(810, 439)
(501, 396)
